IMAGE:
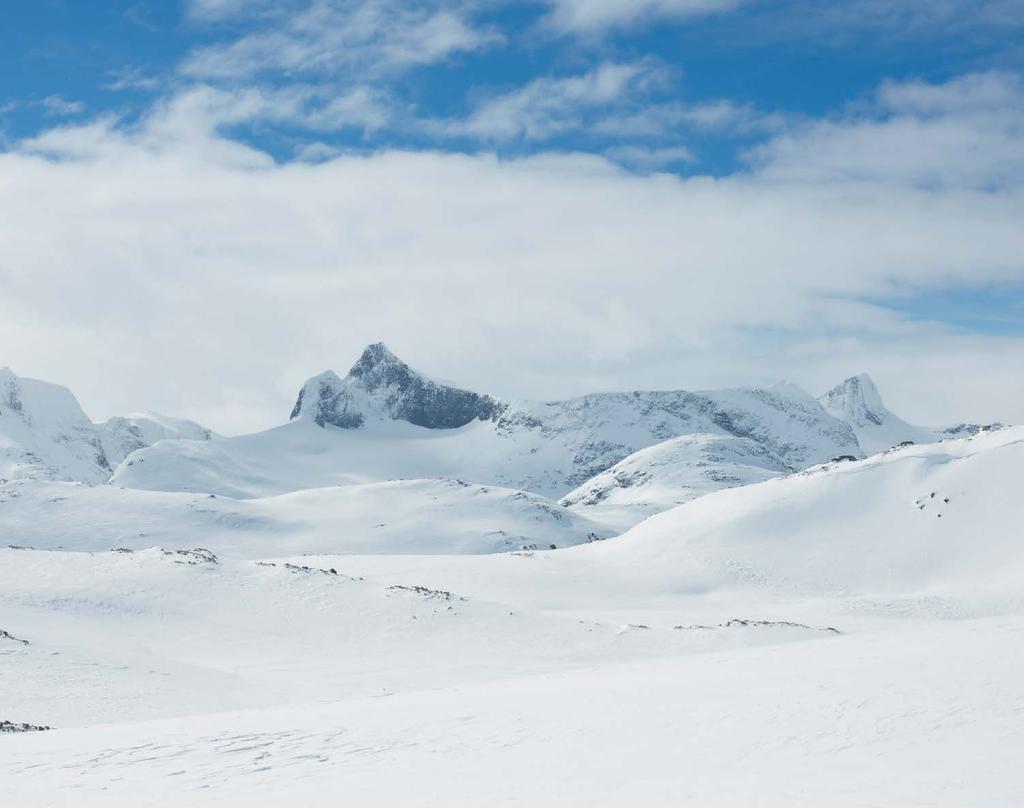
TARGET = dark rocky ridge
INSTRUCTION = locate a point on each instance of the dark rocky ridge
(406, 396)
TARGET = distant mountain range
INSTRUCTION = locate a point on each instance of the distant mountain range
(617, 457)
(44, 434)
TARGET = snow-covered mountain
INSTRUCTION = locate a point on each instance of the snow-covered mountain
(670, 473)
(656, 478)
(123, 435)
(858, 403)
(44, 433)
(386, 421)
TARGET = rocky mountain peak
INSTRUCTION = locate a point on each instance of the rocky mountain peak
(380, 385)
(378, 367)
(856, 401)
(375, 357)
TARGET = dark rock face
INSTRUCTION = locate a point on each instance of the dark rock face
(419, 401)
(17, 726)
(969, 430)
(333, 407)
(13, 398)
(404, 394)
(298, 405)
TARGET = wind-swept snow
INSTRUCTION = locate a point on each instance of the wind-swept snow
(412, 516)
(912, 716)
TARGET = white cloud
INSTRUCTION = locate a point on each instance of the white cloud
(985, 93)
(218, 10)
(964, 133)
(57, 105)
(335, 37)
(913, 16)
(131, 78)
(194, 275)
(657, 120)
(550, 106)
(191, 120)
(645, 158)
(595, 16)
(612, 100)
(317, 152)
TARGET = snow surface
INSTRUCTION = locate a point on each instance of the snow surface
(412, 516)
(849, 635)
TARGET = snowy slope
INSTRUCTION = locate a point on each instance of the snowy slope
(863, 537)
(670, 473)
(122, 435)
(858, 403)
(940, 518)
(416, 516)
(45, 434)
(116, 636)
(688, 661)
(384, 421)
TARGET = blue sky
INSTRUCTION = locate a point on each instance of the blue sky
(536, 198)
(738, 69)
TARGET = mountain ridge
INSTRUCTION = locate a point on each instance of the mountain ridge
(629, 453)
(45, 433)
(384, 420)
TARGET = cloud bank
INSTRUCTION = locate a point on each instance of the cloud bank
(163, 264)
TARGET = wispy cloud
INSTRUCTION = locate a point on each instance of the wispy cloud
(644, 158)
(60, 106)
(612, 101)
(333, 37)
(909, 16)
(219, 10)
(196, 120)
(598, 16)
(719, 115)
(549, 106)
(131, 78)
(966, 132)
(785, 18)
